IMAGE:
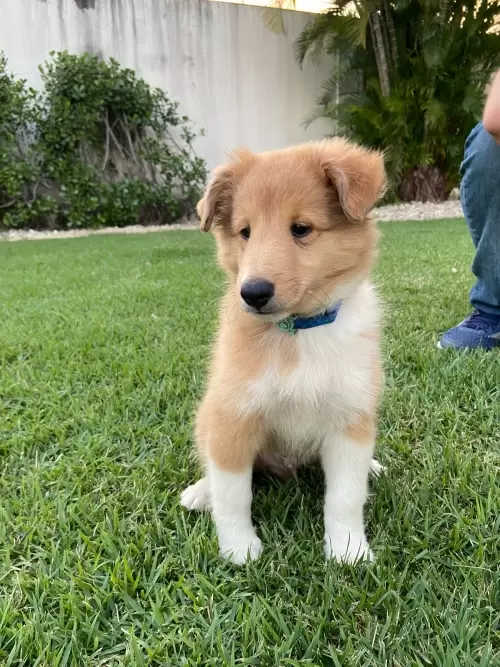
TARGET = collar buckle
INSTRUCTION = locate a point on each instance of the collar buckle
(292, 324)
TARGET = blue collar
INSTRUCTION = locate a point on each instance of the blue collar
(293, 323)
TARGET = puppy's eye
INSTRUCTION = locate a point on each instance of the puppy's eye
(299, 230)
(245, 233)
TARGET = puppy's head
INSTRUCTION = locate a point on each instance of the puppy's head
(292, 226)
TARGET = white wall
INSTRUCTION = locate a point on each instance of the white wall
(232, 76)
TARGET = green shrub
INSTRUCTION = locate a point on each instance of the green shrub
(99, 147)
(21, 202)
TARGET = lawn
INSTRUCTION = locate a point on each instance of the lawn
(103, 344)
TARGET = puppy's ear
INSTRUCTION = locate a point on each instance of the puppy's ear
(216, 203)
(357, 174)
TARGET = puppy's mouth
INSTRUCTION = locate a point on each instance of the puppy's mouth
(268, 313)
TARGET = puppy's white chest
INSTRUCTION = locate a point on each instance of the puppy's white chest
(323, 388)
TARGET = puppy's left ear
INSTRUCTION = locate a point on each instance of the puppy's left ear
(357, 174)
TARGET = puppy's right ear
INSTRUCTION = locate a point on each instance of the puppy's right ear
(215, 206)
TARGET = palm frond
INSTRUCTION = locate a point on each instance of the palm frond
(314, 34)
(341, 81)
(434, 115)
(320, 33)
(272, 16)
(273, 20)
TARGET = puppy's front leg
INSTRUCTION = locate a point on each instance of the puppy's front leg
(346, 457)
(232, 447)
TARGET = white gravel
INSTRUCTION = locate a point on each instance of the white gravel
(394, 212)
(35, 235)
(420, 211)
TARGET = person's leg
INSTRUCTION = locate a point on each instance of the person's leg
(480, 197)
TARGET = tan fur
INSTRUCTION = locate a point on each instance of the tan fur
(229, 441)
(371, 335)
(331, 187)
(363, 429)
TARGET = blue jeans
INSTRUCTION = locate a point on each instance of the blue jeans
(480, 197)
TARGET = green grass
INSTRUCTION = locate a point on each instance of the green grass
(103, 343)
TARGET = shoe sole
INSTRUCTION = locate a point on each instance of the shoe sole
(464, 349)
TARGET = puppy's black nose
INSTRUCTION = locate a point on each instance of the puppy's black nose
(257, 293)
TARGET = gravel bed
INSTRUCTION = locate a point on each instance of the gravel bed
(394, 212)
(35, 235)
(420, 211)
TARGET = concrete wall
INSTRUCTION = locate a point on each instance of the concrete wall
(232, 76)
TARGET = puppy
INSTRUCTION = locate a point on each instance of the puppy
(296, 372)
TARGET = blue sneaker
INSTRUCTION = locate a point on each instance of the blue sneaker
(479, 330)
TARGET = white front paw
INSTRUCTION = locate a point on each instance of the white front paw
(196, 496)
(347, 546)
(376, 468)
(245, 548)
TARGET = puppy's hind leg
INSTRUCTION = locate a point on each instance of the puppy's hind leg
(196, 496)
(376, 468)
